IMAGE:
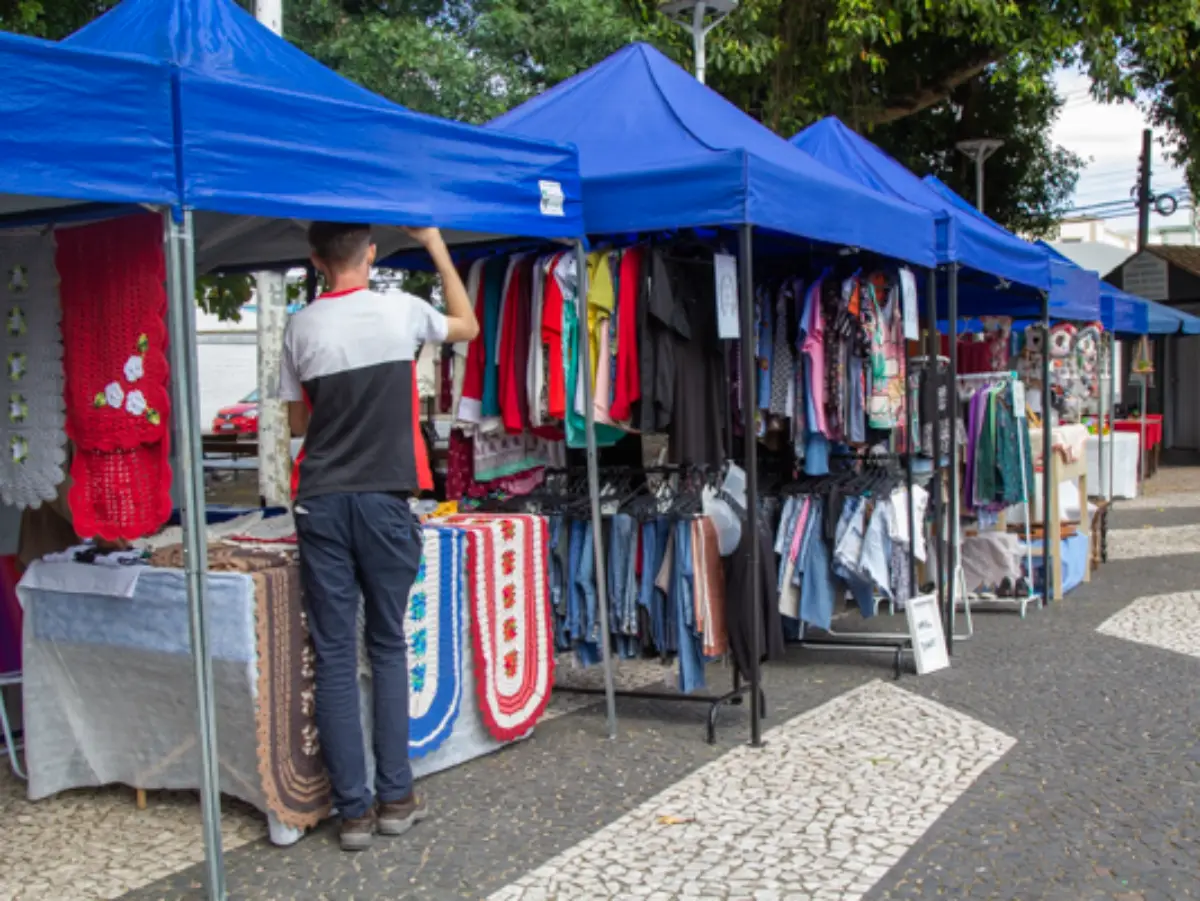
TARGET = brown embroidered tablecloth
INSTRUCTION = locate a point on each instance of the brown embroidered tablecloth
(293, 775)
(292, 772)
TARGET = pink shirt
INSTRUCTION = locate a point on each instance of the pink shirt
(814, 348)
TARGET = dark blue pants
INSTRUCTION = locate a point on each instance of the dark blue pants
(354, 545)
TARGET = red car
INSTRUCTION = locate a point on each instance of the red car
(238, 419)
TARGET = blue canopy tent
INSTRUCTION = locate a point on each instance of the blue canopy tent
(1003, 274)
(264, 131)
(659, 151)
(191, 105)
(77, 129)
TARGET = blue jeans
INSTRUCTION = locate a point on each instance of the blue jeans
(654, 544)
(583, 596)
(622, 584)
(352, 546)
(683, 586)
(817, 593)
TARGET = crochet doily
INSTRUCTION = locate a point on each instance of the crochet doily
(114, 305)
(32, 436)
(433, 625)
(509, 592)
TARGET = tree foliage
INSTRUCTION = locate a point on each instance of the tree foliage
(916, 76)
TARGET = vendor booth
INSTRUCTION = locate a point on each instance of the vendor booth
(986, 271)
(127, 169)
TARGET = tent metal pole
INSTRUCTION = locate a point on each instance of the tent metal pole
(593, 475)
(952, 568)
(1142, 440)
(1100, 433)
(1048, 553)
(933, 379)
(182, 319)
(910, 443)
(746, 273)
(1112, 413)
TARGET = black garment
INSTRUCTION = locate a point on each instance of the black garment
(739, 614)
(700, 395)
(935, 396)
(662, 324)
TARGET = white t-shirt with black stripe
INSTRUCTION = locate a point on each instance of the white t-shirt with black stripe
(350, 356)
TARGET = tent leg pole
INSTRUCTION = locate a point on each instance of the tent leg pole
(1048, 553)
(746, 273)
(1112, 414)
(952, 314)
(593, 474)
(932, 374)
(1103, 455)
(1142, 439)
(182, 319)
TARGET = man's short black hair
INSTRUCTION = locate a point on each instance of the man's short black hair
(339, 244)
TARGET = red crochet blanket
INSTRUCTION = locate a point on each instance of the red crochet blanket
(114, 339)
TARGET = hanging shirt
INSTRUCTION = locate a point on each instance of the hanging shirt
(553, 340)
(470, 405)
(535, 380)
(494, 277)
(600, 303)
(627, 387)
(782, 378)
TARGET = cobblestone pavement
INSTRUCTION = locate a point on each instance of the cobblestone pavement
(1057, 760)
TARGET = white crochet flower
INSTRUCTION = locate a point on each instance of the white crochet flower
(114, 394)
(133, 368)
(135, 403)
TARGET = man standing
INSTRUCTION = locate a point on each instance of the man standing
(349, 376)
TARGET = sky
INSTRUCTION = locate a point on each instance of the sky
(1109, 138)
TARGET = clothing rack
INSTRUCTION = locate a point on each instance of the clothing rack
(1031, 597)
(695, 476)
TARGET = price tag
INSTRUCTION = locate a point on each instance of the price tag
(725, 273)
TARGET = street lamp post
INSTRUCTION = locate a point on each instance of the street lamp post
(979, 149)
(693, 17)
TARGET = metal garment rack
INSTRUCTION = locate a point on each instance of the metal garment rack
(1032, 597)
(896, 644)
(739, 690)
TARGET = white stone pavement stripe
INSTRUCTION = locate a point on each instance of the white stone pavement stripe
(1156, 541)
(833, 801)
(1166, 621)
(1154, 501)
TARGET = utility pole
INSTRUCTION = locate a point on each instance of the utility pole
(1144, 195)
(691, 15)
(979, 150)
(274, 434)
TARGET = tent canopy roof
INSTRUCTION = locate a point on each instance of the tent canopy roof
(78, 127)
(260, 129)
(966, 240)
(658, 150)
(1074, 292)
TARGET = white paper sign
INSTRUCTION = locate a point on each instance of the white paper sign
(725, 272)
(925, 629)
(552, 198)
(908, 304)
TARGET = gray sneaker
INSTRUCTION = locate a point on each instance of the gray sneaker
(397, 817)
(356, 834)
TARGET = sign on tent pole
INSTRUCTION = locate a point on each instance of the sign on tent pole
(274, 436)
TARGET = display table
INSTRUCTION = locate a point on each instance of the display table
(1124, 465)
(1154, 434)
(110, 697)
(1068, 463)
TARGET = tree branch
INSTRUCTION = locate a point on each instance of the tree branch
(924, 98)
